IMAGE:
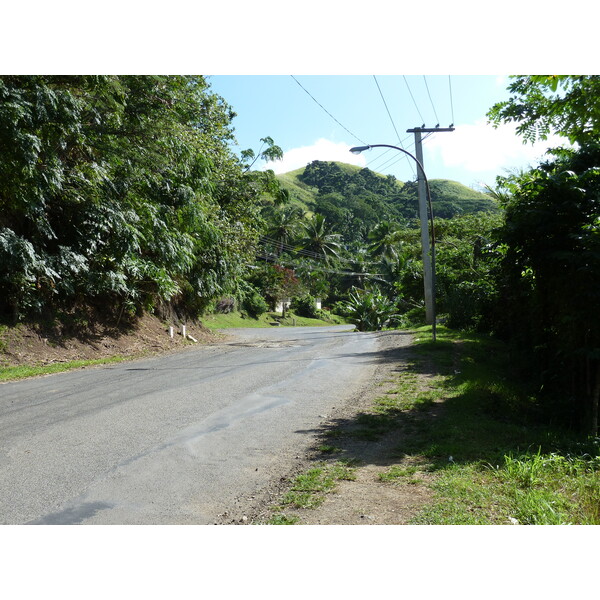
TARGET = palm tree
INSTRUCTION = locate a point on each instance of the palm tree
(318, 239)
(385, 240)
(357, 272)
(284, 226)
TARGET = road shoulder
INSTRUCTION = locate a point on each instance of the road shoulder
(364, 498)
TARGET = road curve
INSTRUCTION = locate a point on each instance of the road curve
(176, 438)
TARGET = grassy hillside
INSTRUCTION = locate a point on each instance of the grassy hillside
(300, 193)
(451, 198)
(398, 199)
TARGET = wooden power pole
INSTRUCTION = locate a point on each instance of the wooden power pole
(428, 281)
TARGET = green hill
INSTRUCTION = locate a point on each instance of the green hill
(300, 193)
(354, 199)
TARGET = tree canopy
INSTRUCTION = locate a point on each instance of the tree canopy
(568, 105)
(121, 189)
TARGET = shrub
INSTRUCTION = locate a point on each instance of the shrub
(369, 311)
(254, 304)
(305, 306)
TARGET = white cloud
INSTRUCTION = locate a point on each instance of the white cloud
(322, 149)
(479, 147)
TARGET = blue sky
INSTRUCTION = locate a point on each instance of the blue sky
(320, 117)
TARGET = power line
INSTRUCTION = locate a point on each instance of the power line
(379, 158)
(391, 161)
(393, 124)
(354, 136)
(307, 253)
(413, 99)
(284, 261)
(451, 102)
(386, 107)
(430, 100)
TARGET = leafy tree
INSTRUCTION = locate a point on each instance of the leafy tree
(318, 238)
(549, 280)
(551, 244)
(283, 226)
(568, 105)
(276, 282)
(385, 240)
(119, 189)
(466, 262)
(271, 153)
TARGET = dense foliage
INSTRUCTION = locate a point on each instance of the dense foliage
(566, 105)
(120, 190)
(549, 280)
(355, 200)
(548, 277)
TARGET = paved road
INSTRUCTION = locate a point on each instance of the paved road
(172, 439)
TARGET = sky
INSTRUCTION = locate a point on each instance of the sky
(321, 117)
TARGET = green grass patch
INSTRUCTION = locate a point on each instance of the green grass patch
(308, 489)
(22, 372)
(282, 519)
(238, 319)
(397, 472)
(495, 461)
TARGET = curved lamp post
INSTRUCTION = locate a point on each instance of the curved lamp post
(428, 256)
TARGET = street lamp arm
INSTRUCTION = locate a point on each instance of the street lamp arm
(358, 150)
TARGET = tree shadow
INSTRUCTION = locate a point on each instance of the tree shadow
(475, 411)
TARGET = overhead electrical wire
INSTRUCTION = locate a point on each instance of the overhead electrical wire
(390, 161)
(371, 162)
(353, 135)
(413, 99)
(393, 124)
(273, 258)
(386, 108)
(430, 100)
(306, 253)
(451, 102)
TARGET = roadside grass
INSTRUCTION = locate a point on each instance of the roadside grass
(308, 489)
(22, 372)
(493, 461)
(471, 431)
(237, 319)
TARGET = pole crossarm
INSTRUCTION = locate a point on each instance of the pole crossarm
(429, 129)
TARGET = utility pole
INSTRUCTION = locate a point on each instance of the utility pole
(428, 282)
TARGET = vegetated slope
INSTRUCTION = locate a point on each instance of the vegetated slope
(334, 188)
(450, 199)
(301, 193)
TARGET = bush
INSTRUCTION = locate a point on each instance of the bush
(254, 304)
(340, 308)
(369, 311)
(305, 306)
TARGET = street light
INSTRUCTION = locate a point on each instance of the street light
(428, 257)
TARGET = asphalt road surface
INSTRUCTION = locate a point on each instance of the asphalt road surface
(172, 439)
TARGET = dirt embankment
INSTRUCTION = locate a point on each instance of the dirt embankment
(90, 338)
